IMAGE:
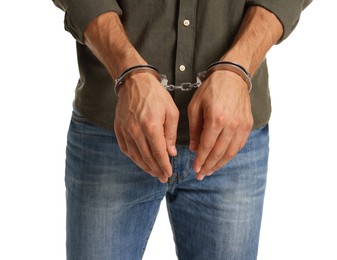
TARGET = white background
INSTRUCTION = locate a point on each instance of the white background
(38, 73)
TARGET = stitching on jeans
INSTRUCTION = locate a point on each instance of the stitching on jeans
(185, 173)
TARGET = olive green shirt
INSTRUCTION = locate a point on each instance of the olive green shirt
(179, 38)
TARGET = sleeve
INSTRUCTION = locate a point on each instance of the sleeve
(79, 13)
(287, 11)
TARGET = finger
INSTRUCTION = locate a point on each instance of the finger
(134, 153)
(232, 151)
(130, 149)
(217, 153)
(170, 132)
(137, 158)
(156, 140)
(244, 139)
(195, 119)
(208, 139)
(143, 160)
(222, 155)
(146, 156)
(120, 138)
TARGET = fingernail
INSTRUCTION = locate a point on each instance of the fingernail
(200, 177)
(209, 173)
(173, 150)
(193, 147)
(162, 180)
(197, 169)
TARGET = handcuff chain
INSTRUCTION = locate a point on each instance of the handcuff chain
(186, 86)
(183, 86)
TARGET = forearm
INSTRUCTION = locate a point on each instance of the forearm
(107, 39)
(259, 31)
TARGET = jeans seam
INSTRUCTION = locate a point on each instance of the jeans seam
(173, 227)
(185, 173)
(149, 232)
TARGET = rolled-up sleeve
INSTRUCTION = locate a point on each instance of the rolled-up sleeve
(287, 11)
(79, 13)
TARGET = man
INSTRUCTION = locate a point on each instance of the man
(131, 141)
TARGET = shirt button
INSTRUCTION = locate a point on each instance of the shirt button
(186, 22)
(182, 68)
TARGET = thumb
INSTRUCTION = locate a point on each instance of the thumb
(195, 124)
(170, 132)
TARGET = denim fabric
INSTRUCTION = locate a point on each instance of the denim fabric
(112, 204)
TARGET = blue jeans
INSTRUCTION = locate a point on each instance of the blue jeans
(112, 204)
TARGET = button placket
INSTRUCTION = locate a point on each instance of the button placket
(185, 41)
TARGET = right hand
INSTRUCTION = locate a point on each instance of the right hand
(146, 124)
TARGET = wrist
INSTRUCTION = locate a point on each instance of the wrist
(244, 62)
(227, 66)
(131, 71)
(123, 61)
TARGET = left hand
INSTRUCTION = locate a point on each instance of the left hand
(220, 120)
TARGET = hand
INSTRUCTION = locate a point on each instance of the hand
(146, 124)
(220, 121)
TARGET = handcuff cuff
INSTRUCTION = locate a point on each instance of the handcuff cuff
(201, 76)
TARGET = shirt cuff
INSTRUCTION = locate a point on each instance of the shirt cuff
(287, 11)
(79, 13)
